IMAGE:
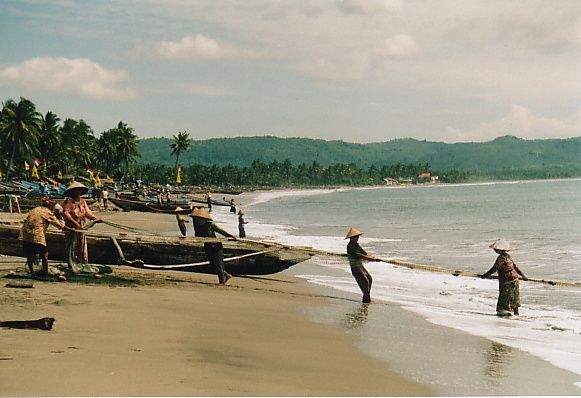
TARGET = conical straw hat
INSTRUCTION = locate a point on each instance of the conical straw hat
(501, 244)
(353, 232)
(178, 209)
(76, 185)
(241, 212)
(201, 213)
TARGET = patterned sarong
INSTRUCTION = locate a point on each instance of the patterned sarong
(509, 296)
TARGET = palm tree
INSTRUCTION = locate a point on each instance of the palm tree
(126, 145)
(50, 140)
(181, 143)
(19, 130)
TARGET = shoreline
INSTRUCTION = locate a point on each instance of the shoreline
(450, 361)
(413, 350)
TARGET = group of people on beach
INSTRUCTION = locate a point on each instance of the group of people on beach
(508, 273)
(71, 218)
(74, 214)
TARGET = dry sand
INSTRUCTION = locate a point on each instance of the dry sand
(170, 333)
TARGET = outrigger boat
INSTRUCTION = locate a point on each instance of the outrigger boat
(241, 257)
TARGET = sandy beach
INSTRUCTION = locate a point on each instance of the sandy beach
(168, 333)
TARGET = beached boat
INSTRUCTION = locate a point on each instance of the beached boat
(165, 252)
(150, 207)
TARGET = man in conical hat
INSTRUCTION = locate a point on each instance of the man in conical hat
(205, 227)
(508, 285)
(356, 256)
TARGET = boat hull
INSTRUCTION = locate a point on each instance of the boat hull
(259, 259)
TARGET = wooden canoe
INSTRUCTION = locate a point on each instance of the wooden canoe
(150, 207)
(241, 257)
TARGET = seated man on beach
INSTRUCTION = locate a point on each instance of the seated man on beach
(356, 256)
(204, 227)
(32, 233)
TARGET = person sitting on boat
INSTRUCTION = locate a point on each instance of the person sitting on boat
(181, 221)
(204, 227)
(33, 232)
(356, 256)
(77, 212)
(508, 285)
(241, 223)
(168, 198)
(232, 206)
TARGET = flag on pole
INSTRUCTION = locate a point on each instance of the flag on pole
(26, 166)
(59, 175)
(34, 171)
(90, 171)
(98, 180)
(179, 175)
(37, 162)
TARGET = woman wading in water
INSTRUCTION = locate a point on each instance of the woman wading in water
(508, 285)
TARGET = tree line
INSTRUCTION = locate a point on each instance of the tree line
(28, 137)
(70, 148)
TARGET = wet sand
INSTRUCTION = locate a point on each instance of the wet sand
(169, 333)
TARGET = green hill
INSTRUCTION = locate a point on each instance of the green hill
(503, 153)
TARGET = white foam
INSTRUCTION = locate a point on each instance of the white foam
(467, 304)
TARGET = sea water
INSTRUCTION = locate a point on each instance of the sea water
(448, 226)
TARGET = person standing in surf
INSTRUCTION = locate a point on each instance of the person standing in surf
(508, 284)
(356, 256)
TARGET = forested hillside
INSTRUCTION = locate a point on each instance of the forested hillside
(504, 153)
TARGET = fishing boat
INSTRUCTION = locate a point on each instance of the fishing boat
(241, 257)
(151, 207)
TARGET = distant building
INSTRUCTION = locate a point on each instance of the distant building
(390, 181)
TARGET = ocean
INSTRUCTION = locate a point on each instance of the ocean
(447, 226)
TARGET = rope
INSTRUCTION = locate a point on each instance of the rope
(226, 260)
(431, 268)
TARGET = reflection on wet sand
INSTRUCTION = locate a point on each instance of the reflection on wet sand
(357, 318)
(497, 356)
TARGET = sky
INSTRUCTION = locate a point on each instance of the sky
(353, 70)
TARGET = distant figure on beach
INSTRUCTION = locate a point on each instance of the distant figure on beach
(241, 223)
(181, 221)
(77, 212)
(159, 199)
(232, 206)
(105, 198)
(356, 256)
(204, 227)
(209, 201)
(508, 284)
(33, 232)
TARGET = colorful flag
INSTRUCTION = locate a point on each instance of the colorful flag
(37, 162)
(179, 175)
(34, 171)
(59, 175)
(26, 166)
(98, 181)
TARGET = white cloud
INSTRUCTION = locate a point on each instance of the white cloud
(520, 122)
(199, 47)
(367, 7)
(400, 47)
(79, 77)
(344, 70)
